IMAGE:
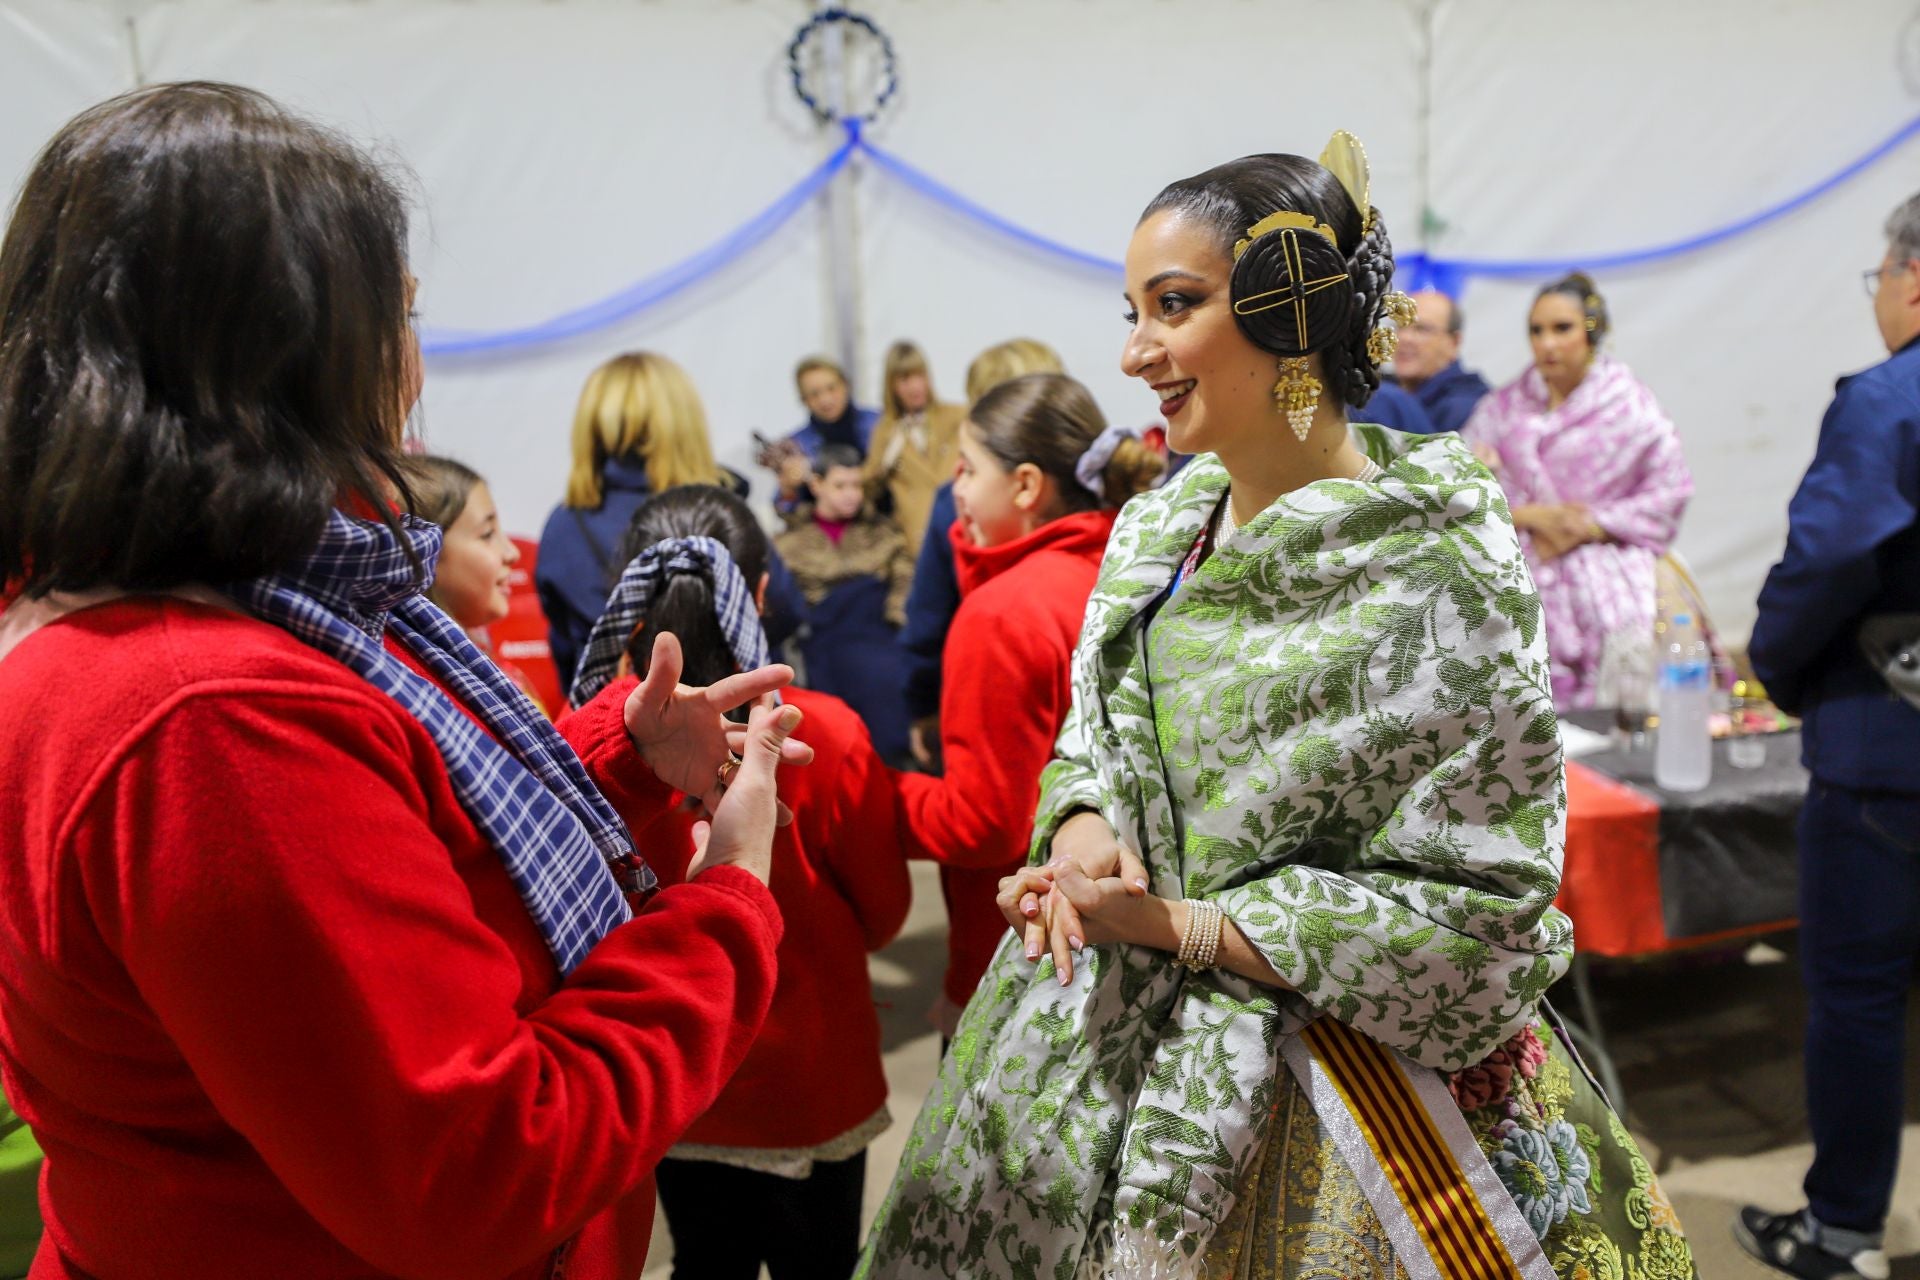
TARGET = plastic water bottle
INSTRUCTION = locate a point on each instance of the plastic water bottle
(1747, 748)
(1683, 752)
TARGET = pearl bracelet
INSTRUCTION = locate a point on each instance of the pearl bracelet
(1200, 940)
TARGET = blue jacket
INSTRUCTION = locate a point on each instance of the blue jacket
(1393, 406)
(931, 604)
(1853, 549)
(809, 436)
(1450, 395)
(575, 571)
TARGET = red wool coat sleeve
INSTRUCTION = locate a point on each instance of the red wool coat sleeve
(402, 1098)
(1004, 698)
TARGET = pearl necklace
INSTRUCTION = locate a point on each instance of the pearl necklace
(1228, 524)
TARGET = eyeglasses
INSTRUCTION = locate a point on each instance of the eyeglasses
(1872, 277)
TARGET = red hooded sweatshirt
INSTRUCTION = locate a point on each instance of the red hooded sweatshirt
(1006, 687)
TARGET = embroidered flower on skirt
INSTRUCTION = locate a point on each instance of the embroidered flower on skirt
(1490, 1081)
(1545, 1172)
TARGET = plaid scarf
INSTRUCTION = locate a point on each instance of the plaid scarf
(642, 579)
(523, 787)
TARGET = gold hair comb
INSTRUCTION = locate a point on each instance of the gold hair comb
(1346, 159)
(1284, 218)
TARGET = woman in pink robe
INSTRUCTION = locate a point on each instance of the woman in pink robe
(1593, 470)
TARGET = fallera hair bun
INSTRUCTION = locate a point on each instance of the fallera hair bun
(1292, 293)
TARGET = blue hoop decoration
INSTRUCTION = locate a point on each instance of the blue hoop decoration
(841, 17)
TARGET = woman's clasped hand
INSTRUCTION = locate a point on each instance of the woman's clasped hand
(1557, 528)
(1093, 890)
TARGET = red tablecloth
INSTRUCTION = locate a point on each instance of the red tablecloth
(1610, 884)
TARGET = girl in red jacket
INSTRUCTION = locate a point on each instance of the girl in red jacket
(314, 956)
(1041, 478)
(774, 1171)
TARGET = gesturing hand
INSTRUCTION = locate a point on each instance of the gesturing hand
(682, 733)
(741, 834)
(795, 470)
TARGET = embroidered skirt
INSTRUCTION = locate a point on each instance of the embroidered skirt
(1538, 1179)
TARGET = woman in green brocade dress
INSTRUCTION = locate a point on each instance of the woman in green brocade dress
(1273, 1006)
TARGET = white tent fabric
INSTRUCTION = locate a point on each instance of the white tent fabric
(565, 148)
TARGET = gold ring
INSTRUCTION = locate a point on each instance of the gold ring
(729, 771)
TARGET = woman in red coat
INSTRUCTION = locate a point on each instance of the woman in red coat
(774, 1172)
(1041, 478)
(315, 959)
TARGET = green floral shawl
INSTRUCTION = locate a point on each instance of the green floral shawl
(1340, 729)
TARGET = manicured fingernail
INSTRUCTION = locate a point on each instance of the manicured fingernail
(1033, 951)
(1075, 943)
(1065, 977)
(1031, 908)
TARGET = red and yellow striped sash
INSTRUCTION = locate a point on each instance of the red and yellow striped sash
(1426, 1175)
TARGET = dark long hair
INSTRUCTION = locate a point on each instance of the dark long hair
(685, 605)
(203, 343)
(1050, 420)
(1229, 199)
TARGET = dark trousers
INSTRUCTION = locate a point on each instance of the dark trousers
(1859, 952)
(727, 1221)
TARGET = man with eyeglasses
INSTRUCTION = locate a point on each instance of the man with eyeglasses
(1428, 362)
(1853, 557)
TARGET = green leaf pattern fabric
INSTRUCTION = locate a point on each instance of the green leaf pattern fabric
(1340, 729)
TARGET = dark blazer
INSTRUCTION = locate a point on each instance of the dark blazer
(1853, 549)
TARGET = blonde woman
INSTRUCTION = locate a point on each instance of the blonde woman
(640, 429)
(916, 444)
(1005, 361)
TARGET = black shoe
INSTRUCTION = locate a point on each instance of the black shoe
(1785, 1242)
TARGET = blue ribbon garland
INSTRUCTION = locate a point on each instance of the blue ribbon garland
(1423, 271)
(658, 287)
(941, 194)
(1416, 270)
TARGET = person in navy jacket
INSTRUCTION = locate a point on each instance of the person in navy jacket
(1396, 408)
(1853, 552)
(931, 603)
(832, 418)
(1427, 362)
